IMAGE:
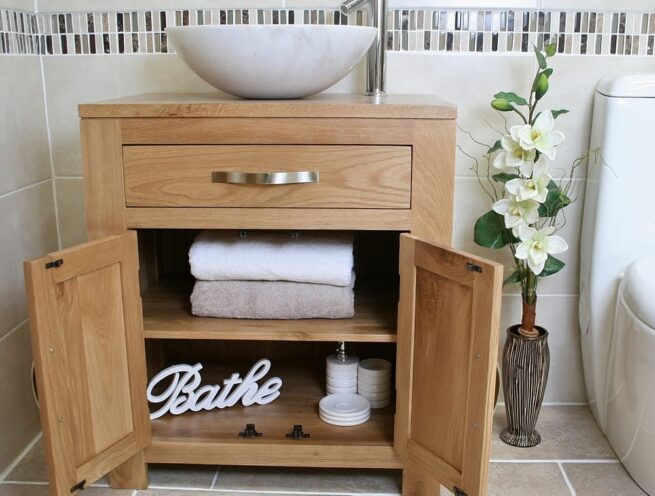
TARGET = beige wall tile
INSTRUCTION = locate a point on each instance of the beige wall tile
(28, 231)
(70, 202)
(27, 5)
(601, 480)
(74, 80)
(469, 81)
(559, 315)
(567, 433)
(19, 416)
(24, 154)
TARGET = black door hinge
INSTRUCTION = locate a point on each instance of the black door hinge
(297, 433)
(459, 492)
(250, 431)
(54, 264)
(471, 267)
(79, 486)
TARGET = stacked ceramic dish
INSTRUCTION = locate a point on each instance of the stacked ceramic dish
(344, 409)
(374, 381)
(341, 374)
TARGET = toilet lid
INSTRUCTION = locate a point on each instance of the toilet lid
(639, 289)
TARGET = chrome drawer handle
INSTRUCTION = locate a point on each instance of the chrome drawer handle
(236, 177)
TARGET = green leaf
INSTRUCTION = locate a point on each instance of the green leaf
(502, 105)
(557, 113)
(511, 97)
(490, 231)
(514, 278)
(541, 59)
(548, 72)
(496, 146)
(553, 266)
(555, 201)
(503, 177)
(551, 49)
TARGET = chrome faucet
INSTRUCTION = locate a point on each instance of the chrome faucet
(376, 59)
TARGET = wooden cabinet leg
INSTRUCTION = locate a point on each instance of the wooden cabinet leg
(133, 474)
(415, 483)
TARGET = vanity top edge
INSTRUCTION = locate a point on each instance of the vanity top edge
(221, 105)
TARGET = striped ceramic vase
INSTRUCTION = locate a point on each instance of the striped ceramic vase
(525, 372)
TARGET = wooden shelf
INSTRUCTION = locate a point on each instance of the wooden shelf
(167, 315)
(212, 437)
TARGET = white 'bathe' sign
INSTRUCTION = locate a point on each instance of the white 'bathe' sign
(184, 392)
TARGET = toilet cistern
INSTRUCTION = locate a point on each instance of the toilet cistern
(376, 58)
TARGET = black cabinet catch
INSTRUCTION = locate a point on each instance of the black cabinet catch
(54, 264)
(250, 431)
(297, 433)
(79, 486)
(473, 268)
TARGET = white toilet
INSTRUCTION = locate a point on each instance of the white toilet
(617, 283)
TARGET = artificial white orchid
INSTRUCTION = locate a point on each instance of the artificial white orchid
(540, 135)
(534, 188)
(513, 156)
(517, 213)
(536, 245)
(526, 201)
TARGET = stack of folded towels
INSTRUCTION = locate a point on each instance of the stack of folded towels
(272, 275)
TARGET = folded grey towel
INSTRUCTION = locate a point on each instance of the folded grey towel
(271, 300)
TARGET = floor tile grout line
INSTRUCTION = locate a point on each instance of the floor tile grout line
(566, 480)
(23, 453)
(214, 480)
(11, 331)
(592, 461)
(26, 187)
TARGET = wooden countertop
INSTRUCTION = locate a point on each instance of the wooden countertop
(220, 105)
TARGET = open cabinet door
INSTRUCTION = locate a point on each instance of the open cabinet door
(448, 320)
(88, 346)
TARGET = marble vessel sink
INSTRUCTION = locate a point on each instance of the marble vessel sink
(271, 61)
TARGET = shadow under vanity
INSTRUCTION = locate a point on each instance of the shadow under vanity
(102, 328)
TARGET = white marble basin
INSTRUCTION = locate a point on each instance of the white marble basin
(271, 61)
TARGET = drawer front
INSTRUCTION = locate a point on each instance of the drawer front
(304, 176)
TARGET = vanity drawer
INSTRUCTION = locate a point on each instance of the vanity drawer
(302, 176)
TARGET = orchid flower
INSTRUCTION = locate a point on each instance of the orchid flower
(536, 245)
(535, 188)
(514, 156)
(517, 213)
(539, 136)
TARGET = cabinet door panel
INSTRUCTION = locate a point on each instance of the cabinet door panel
(87, 336)
(447, 344)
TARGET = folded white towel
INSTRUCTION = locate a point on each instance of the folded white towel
(312, 257)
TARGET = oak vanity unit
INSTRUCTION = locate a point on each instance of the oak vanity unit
(110, 313)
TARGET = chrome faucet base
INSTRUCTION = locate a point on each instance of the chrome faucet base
(376, 58)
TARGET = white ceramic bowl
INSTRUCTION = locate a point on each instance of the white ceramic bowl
(374, 369)
(342, 381)
(381, 396)
(373, 386)
(271, 61)
(380, 404)
(341, 390)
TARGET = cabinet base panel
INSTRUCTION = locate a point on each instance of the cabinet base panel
(271, 454)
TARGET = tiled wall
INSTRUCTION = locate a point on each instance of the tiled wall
(468, 77)
(427, 29)
(29, 229)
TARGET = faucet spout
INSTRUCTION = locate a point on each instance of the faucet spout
(376, 58)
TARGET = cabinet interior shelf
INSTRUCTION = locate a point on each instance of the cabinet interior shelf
(213, 436)
(167, 315)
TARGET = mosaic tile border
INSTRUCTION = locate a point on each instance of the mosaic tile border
(409, 30)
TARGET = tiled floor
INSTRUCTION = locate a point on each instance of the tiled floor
(573, 459)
